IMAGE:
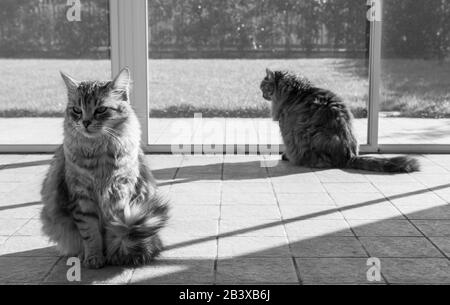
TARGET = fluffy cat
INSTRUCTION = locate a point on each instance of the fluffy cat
(316, 127)
(100, 198)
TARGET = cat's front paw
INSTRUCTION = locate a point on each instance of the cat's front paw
(94, 261)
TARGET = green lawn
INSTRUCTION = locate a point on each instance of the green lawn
(230, 88)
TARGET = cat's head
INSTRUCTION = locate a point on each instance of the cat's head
(97, 108)
(279, 85)
(268, 85)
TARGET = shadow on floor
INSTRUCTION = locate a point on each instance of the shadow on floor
(407, 256)
(235, 171)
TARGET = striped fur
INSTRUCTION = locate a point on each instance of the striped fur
(100, 199)
(316, 127)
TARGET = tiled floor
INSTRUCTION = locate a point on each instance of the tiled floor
(235, 220)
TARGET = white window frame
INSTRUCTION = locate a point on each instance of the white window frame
(129, 48)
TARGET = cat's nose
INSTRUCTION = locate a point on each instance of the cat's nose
(86, 123)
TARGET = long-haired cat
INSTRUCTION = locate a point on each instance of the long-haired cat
(100, 199)
(316, 127)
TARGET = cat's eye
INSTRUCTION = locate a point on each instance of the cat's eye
(101, 110)
(76, 110)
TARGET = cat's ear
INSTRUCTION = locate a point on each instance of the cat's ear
(122, 80)
(270, 74)
(70, 82)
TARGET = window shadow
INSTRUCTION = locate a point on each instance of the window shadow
(25, 164)
(20, 205)
(335, 257)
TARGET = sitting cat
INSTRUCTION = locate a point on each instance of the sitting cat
(316, 127)
(99, 196)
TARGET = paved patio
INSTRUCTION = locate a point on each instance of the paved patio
(243, 219)
(229, 131)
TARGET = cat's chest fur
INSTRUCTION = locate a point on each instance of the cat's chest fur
(105, 173)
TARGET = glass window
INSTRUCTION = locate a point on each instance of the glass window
(39, 38)
(208, 57)
(415, 77)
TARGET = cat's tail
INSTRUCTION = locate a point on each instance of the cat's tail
(132, 238)
(403, 164)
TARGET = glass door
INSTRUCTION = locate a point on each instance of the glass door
(415, 72)
(208, 57)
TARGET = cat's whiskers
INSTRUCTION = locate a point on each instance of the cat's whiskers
(113, 134)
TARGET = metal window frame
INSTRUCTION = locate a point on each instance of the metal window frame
(129, 47)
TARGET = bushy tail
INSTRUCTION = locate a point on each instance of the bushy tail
(132, 239)
(403, 164)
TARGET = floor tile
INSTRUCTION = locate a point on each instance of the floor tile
(31, 228)
(233, 198)
(310, 211)
(297, 188)
(357, 199)
(338, 176)
(10, 160)
(425, 211)
(195, 198)
(305, 198)
(232, 247)
(388, 177)
(250, 211)
(443, 243)
(206, 249)
(383, 210)
(418, 199)
(105, 275)
(20, 211)
(194, 211)
(433, 227)
(251, 227)
(399, 247)
(418, 270)
(197, 187)
(327, 247)
(10, 226)
(28, 246)
(350, 188)
(386, 227)
(199, 227)
(400, 190)
(297, 178)
(256, 271)
(175, 271)
(317, 227)
(246, 187)
(22, 270)
(334, 271)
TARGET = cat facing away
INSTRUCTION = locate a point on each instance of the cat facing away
(100, 199)
(316, 127)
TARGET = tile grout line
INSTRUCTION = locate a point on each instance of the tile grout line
(21, 227)
(296, 267)
(435, 163)
(411, 222)
(350, 226)
(47, 274)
